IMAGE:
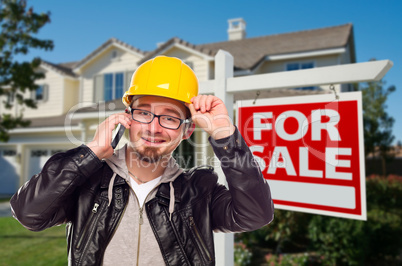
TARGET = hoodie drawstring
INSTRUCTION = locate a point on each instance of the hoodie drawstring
(110, 189)
(171, 202)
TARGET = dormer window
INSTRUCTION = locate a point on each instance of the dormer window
(41, 94)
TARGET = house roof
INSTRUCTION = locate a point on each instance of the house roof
(64, 69)
(104, 46)
(247, 53)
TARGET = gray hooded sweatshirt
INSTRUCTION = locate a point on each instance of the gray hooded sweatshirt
(133, 242)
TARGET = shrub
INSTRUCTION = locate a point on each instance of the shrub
(325, 240)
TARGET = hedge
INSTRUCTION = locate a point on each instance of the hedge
(295, 238)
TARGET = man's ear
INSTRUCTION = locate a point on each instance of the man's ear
(189, 130)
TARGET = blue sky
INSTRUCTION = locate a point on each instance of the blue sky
(79, 27)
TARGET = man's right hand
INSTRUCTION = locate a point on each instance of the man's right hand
(101, 144)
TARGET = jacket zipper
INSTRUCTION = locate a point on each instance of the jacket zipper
(141, 221)
(85, 231)
(197, 233)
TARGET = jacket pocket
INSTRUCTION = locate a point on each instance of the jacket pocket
(91, 221)
(200, 242)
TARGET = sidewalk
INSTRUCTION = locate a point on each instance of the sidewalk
(5, 209)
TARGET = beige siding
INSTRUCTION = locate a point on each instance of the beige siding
(103, 64)
(71, 90)
(53, 106)
(345, 57)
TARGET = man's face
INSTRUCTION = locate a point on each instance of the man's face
(151, 142)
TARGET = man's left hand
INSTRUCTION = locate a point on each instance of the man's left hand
(209, 113)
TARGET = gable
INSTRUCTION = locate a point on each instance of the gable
(103, 50)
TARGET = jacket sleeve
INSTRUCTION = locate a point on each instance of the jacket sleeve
(45, 199)
(247, 204)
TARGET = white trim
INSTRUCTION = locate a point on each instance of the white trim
(42, 129)
(91, 115)
(305, 54)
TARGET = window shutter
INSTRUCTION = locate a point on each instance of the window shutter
(128, 76)
(98, 88)
(45, 92)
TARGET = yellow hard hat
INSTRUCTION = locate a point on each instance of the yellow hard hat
(163, 76)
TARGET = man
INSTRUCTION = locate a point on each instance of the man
(135, 205)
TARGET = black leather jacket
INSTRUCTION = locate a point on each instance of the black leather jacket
(72, 188)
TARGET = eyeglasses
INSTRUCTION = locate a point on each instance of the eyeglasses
(166, 121)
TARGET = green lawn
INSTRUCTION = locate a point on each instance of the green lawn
(20, 246)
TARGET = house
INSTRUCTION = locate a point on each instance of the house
(75, 97)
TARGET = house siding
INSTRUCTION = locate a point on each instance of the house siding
(71, 90)
(53, 106)
(125, 62)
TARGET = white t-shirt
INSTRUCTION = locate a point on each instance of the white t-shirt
(142, 190)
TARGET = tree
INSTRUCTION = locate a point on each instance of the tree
(19, 26)
(377, 123)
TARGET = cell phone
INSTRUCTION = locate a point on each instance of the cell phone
(120, 131)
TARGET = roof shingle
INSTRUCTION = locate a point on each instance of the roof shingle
(248, 52)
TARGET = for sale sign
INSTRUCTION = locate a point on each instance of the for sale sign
(310, 149)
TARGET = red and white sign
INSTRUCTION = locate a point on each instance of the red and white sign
(311, 151)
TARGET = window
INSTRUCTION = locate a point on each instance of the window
(114, 54)
(41, 94)
(299, 66)
(110, 86)
(39, 153)
(9, 153)
(10, 98)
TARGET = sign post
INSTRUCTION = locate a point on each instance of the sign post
(228, 87)
(311, 151)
